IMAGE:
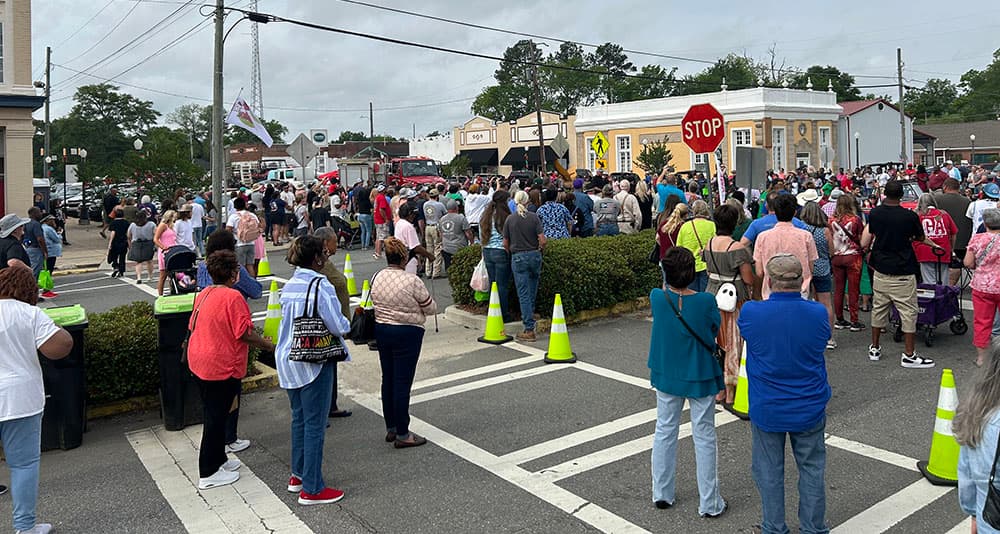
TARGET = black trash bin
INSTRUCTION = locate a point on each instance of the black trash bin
(180, 400)
(65, 416)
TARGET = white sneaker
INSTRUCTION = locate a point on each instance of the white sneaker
(220, 478)
(831, 344)
(915, 361)
(874, 353)
(231, 465)
(39, 528)
(238, 445)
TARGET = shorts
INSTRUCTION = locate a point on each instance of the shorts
(381, 231)
(899, 291)
(106, 218)
(245, 254)
(822, 284)
(956, 259)
(277, 219)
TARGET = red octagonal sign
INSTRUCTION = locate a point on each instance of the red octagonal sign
(702, 128)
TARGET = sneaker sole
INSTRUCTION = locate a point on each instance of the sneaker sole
(852, 329)
(917, 365)
(310, 502)
(874, 358)
(236, 449)
(216, 484)
(294, 489)
(840, 327)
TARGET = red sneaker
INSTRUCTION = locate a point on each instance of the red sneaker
(50, 294)
(294, 484)
(327, 496)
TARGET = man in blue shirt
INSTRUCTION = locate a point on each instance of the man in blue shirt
(766, 222)
(788, 392)
(666, 185)
(584, 208)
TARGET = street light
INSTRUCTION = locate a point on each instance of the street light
(137, 144)
(84, 210)
(857, 149)
(972, 159)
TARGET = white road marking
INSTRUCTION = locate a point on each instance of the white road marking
(246, 507)
(874, 453)
(575, 506)
(965, 527)
(78, 282)
(577, 438)
(82, 289)
(886, 513)
(618, 452)
(584, 366)
(486, 382)
(462, 375)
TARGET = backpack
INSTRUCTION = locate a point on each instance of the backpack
(248, 228)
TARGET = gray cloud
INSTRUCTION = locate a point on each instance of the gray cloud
(305, 68)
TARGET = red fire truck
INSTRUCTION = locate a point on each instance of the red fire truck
(414, 171)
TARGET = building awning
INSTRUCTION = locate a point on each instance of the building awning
(481, 157)
(516, 156)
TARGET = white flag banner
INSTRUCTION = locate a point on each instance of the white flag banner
(242, 117)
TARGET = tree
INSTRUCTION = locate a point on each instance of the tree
(569, 89)
(935, 99)
(654, 156)
(193, 120)
(739, 72)
(348, 135)
(514, 95)
(979, 97)
(611, 58)
(164, 164)
(103, 103)
(843, 83)
(435, 133)
(656, 82)
(458, 166)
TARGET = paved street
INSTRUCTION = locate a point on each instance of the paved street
(516, 446)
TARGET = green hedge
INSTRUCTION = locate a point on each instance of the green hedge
(589, 273)
(122, 353)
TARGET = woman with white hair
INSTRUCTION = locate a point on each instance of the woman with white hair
(630, 218)
(940, 228)
(524, 239)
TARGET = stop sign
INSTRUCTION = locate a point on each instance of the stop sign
(702, 128)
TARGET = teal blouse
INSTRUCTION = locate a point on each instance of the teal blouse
(678, 364)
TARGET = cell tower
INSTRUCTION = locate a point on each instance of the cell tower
(256, 91)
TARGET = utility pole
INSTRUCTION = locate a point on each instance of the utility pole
(48, 124)
(903, 156)
(538, 117)
(218, 151)
(371, 131)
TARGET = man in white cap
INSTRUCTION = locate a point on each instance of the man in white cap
(991, 192)
(11, 250)
(952, 170)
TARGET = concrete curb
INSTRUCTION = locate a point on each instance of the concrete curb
(78, 269)
(266, 378)
(478, 322)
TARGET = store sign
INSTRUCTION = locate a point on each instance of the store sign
(530, 133)
(477, 137)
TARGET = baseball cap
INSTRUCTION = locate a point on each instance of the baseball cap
(836, 193)
(412, 193)
(434, 193)
(991, 190)
(949, 162)
(11, 222)
(578, 183)
(784, 267)
(380, 187)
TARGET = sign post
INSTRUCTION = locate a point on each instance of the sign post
(702, 129)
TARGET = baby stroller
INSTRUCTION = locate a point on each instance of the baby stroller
(181, 269)
(936, 304)
(348, 234)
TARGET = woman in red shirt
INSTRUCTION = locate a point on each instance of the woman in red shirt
(221, 332)
(940, 228)
(846, 227)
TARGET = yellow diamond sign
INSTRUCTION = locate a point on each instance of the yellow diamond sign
(600, 144)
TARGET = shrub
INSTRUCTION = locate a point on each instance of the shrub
(589, 273)
(123, 353)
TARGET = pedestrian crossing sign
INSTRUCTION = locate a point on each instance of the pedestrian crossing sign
(600, 146)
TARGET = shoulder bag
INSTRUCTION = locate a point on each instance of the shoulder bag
(725, 297)
(363, 320)
(312, 341)
(986, 251)
(991, 508)
(718, 352)
(194, 323)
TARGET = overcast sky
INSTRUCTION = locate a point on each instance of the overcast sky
(326, 72)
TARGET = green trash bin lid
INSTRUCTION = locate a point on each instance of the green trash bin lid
(65, 316)
(174, 304)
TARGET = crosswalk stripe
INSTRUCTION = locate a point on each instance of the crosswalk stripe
(486, 382)
(246, 507)
(886, 513)
(965, 527)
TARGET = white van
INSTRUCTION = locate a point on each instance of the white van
(305, 176)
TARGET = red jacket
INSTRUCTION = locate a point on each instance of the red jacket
(937, 180)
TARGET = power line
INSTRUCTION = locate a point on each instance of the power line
(106, 35)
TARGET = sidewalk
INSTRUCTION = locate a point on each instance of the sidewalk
(89, 251)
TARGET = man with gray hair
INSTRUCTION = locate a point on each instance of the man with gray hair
(786, 373)
(456, 232)
(630, 217)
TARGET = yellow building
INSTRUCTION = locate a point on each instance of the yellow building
(501, 147)
(797, 127)
(17, 102)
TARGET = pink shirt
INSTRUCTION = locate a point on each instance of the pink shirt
(406, 233)
(986, 277)
(785, 238)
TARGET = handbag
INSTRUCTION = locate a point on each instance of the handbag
(363, 321)
(654, 255)
(312, 341)
(480, 280)
(45, 280)
(725, 297)
(991, 508)
(194, 323)
(718, 352)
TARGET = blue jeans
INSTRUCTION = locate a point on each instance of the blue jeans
(498, 266)
(37, 260)
(398, 352)
(700, 282)
(310, 408)
(664, 461)
(22, 444)
(527, 268)
(608, 229)
(809, 450)
(199, 240)
(367, 228)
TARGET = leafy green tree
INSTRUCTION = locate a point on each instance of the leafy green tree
(740, 72)
(164, 164)
(654, 156)
(843, 83)
(458, 166)
(104, 103)
(664, 84)
(513, 96)
(348, 135)
(611, 58)
(979, 92)
(936, 99)
(567, 89)
(193, 120)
